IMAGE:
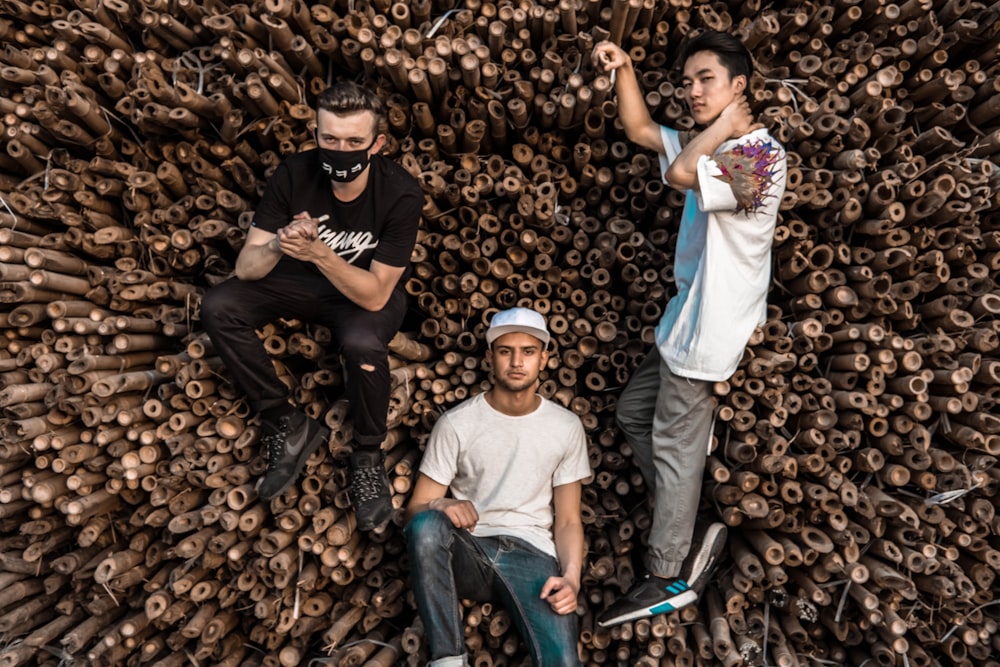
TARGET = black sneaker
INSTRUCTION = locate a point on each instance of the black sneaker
(287, 445)
(370, 489)
(657, 595)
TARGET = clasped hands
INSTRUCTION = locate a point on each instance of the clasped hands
(300, 238)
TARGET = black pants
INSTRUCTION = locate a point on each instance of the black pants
(233, 310)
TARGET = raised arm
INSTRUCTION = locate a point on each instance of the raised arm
(561, 592)
(639, 125)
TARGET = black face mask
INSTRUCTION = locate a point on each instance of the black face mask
(344, 166)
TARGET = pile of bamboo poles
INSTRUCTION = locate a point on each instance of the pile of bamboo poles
(855, 453)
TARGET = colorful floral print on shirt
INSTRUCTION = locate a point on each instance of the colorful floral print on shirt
(749, 170)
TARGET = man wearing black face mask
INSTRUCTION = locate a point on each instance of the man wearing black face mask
(330, 243)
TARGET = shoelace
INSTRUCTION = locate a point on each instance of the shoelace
(274, 445)
(366, 484)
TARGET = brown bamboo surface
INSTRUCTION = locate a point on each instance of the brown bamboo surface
(855, 453)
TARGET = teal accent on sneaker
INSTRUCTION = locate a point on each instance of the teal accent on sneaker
(652, 595)
(655, 595)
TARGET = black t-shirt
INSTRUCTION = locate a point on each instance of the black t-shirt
(380, 224)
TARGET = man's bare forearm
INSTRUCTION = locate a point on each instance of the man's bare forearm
(256, 261)
(639, 125)
(683, 171)
(734, 121)
(568, 538)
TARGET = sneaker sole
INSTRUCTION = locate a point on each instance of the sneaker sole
(368, 527)
(680, 601)
(704, 555)
(323, 435)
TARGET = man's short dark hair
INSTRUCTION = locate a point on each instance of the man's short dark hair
(346, 97)
(733, 55)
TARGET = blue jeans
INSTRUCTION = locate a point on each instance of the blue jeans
(448, 564)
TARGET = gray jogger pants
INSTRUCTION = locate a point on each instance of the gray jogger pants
(667, 420)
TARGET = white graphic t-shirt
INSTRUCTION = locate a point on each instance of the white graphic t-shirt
(722, 263)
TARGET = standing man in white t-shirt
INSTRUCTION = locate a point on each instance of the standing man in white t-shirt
(510, 529)
(734, 174)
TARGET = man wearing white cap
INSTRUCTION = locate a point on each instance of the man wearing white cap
(509, 458)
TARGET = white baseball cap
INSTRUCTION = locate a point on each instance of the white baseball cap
(518, 320)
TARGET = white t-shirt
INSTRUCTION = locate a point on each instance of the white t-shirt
(722, 263)
(507, 466)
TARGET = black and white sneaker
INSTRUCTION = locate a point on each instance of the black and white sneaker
(658, 595)
(653, 595)
(287, 445)
(370, 489)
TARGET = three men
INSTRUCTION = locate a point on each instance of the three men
(512, 461)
